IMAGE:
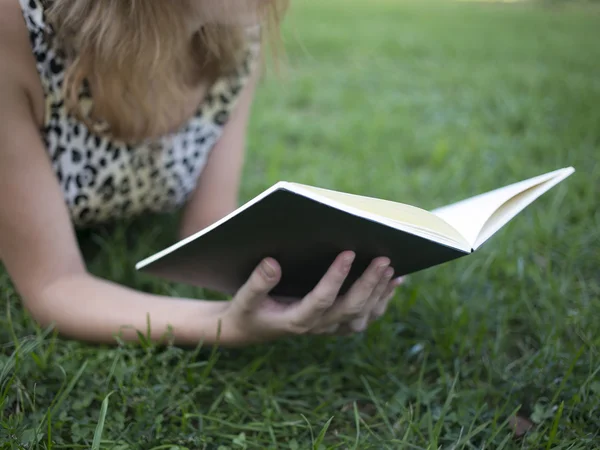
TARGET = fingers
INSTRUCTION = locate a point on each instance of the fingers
(327, 330)
(376, 307)
(360, 323)
(354, 303)
(319, 312)
(365, 287)
(262, 280)
(381, 307)
(323, 296)
(398, 281)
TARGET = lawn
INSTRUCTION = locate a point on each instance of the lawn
(420, 103)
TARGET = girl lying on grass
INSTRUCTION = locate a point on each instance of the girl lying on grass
(111, 108)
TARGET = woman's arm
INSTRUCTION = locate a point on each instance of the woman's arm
(218, 188)
(39, 250)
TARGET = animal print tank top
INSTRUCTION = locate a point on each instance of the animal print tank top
(103, 180)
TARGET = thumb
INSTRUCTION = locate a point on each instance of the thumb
(264, 278)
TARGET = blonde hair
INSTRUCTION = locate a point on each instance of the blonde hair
(142, 58)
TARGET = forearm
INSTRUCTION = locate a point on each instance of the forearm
(194, 221)
(90, 309)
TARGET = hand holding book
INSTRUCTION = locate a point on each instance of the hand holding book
(253, 315)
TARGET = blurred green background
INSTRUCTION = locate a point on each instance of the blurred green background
(419, 102)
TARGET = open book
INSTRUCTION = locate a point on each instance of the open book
(304, 228)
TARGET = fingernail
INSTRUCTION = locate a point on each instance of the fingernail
(358, 325)
(398, 281)
(348, 260)
(389, 273)
(382, 267)
(269, 269)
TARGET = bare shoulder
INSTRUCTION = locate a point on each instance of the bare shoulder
(21, 73)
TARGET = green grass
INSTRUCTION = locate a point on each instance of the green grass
(423, 104)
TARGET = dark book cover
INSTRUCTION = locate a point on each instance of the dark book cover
(304, 236)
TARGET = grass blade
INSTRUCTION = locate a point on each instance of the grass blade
(321, 435)
(554, 428)
(100, 426)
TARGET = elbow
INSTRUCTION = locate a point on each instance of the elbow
(39, 308)
(48, 305)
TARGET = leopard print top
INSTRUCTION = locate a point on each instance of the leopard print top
(105, 180)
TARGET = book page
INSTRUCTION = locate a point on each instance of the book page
(400, 213)
(479, 217)
(515, 205)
